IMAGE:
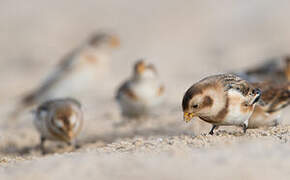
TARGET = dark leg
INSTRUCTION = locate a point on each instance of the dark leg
(77, 146)
(276, 122)
(245, 127)
(211, 131)
(42, 141)
(74, 144)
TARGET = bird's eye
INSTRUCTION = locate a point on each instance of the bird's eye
(195, 106)
(238, 88)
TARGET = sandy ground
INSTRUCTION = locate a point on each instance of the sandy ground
(187, 40)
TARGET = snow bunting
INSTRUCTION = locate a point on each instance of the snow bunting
(143, 92)
(275, 70)
(268, 111)
(59, 120)
(222, 99)
(75, 72)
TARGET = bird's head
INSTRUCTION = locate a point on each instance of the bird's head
(211, 96)
(66, 121)
(143, 70)
(104, 40)
(201, 100)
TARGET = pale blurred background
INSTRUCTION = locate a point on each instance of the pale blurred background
(186, 40)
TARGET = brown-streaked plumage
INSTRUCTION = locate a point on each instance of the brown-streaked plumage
(141, 93)
(223, 99)
(268, 111)
(75, 72)
(59, 120)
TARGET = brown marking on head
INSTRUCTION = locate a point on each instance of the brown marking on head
(198, 89)
(63, 114)
(207, 102)
(189, 94)
(223, 112)
(59, 125)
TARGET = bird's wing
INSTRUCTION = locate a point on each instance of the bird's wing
(126, 90)
(231, 81)
(63, 68)
(269, 66)
(45, 106)
(271, 70)
(274, 96)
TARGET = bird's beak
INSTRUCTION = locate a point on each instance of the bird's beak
(70, 134)
(188, 116)
(115, 41)
(141, 68)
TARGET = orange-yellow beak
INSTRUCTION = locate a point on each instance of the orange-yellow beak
(115, 41)
(141, 68)
(70, 134)
(188, 116)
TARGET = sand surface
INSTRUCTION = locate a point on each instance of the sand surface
(186, 40)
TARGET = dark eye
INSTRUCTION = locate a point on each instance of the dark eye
(238, 88)
(195, 106)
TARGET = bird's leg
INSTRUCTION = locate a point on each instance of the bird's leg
(124, 122)
(42, 141)
(245, 127)
(213, 127)
(276, 122)
(74, 144)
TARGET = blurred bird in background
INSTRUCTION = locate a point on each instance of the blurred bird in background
(275, 97)
(59, 120)
(222, 100)
(273, 79)
(143, 92)
(75, 73)
(274, 70)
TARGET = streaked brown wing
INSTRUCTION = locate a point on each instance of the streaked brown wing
(274, 96)
(125, 89)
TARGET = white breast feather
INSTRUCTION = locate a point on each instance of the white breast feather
(235, 115)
